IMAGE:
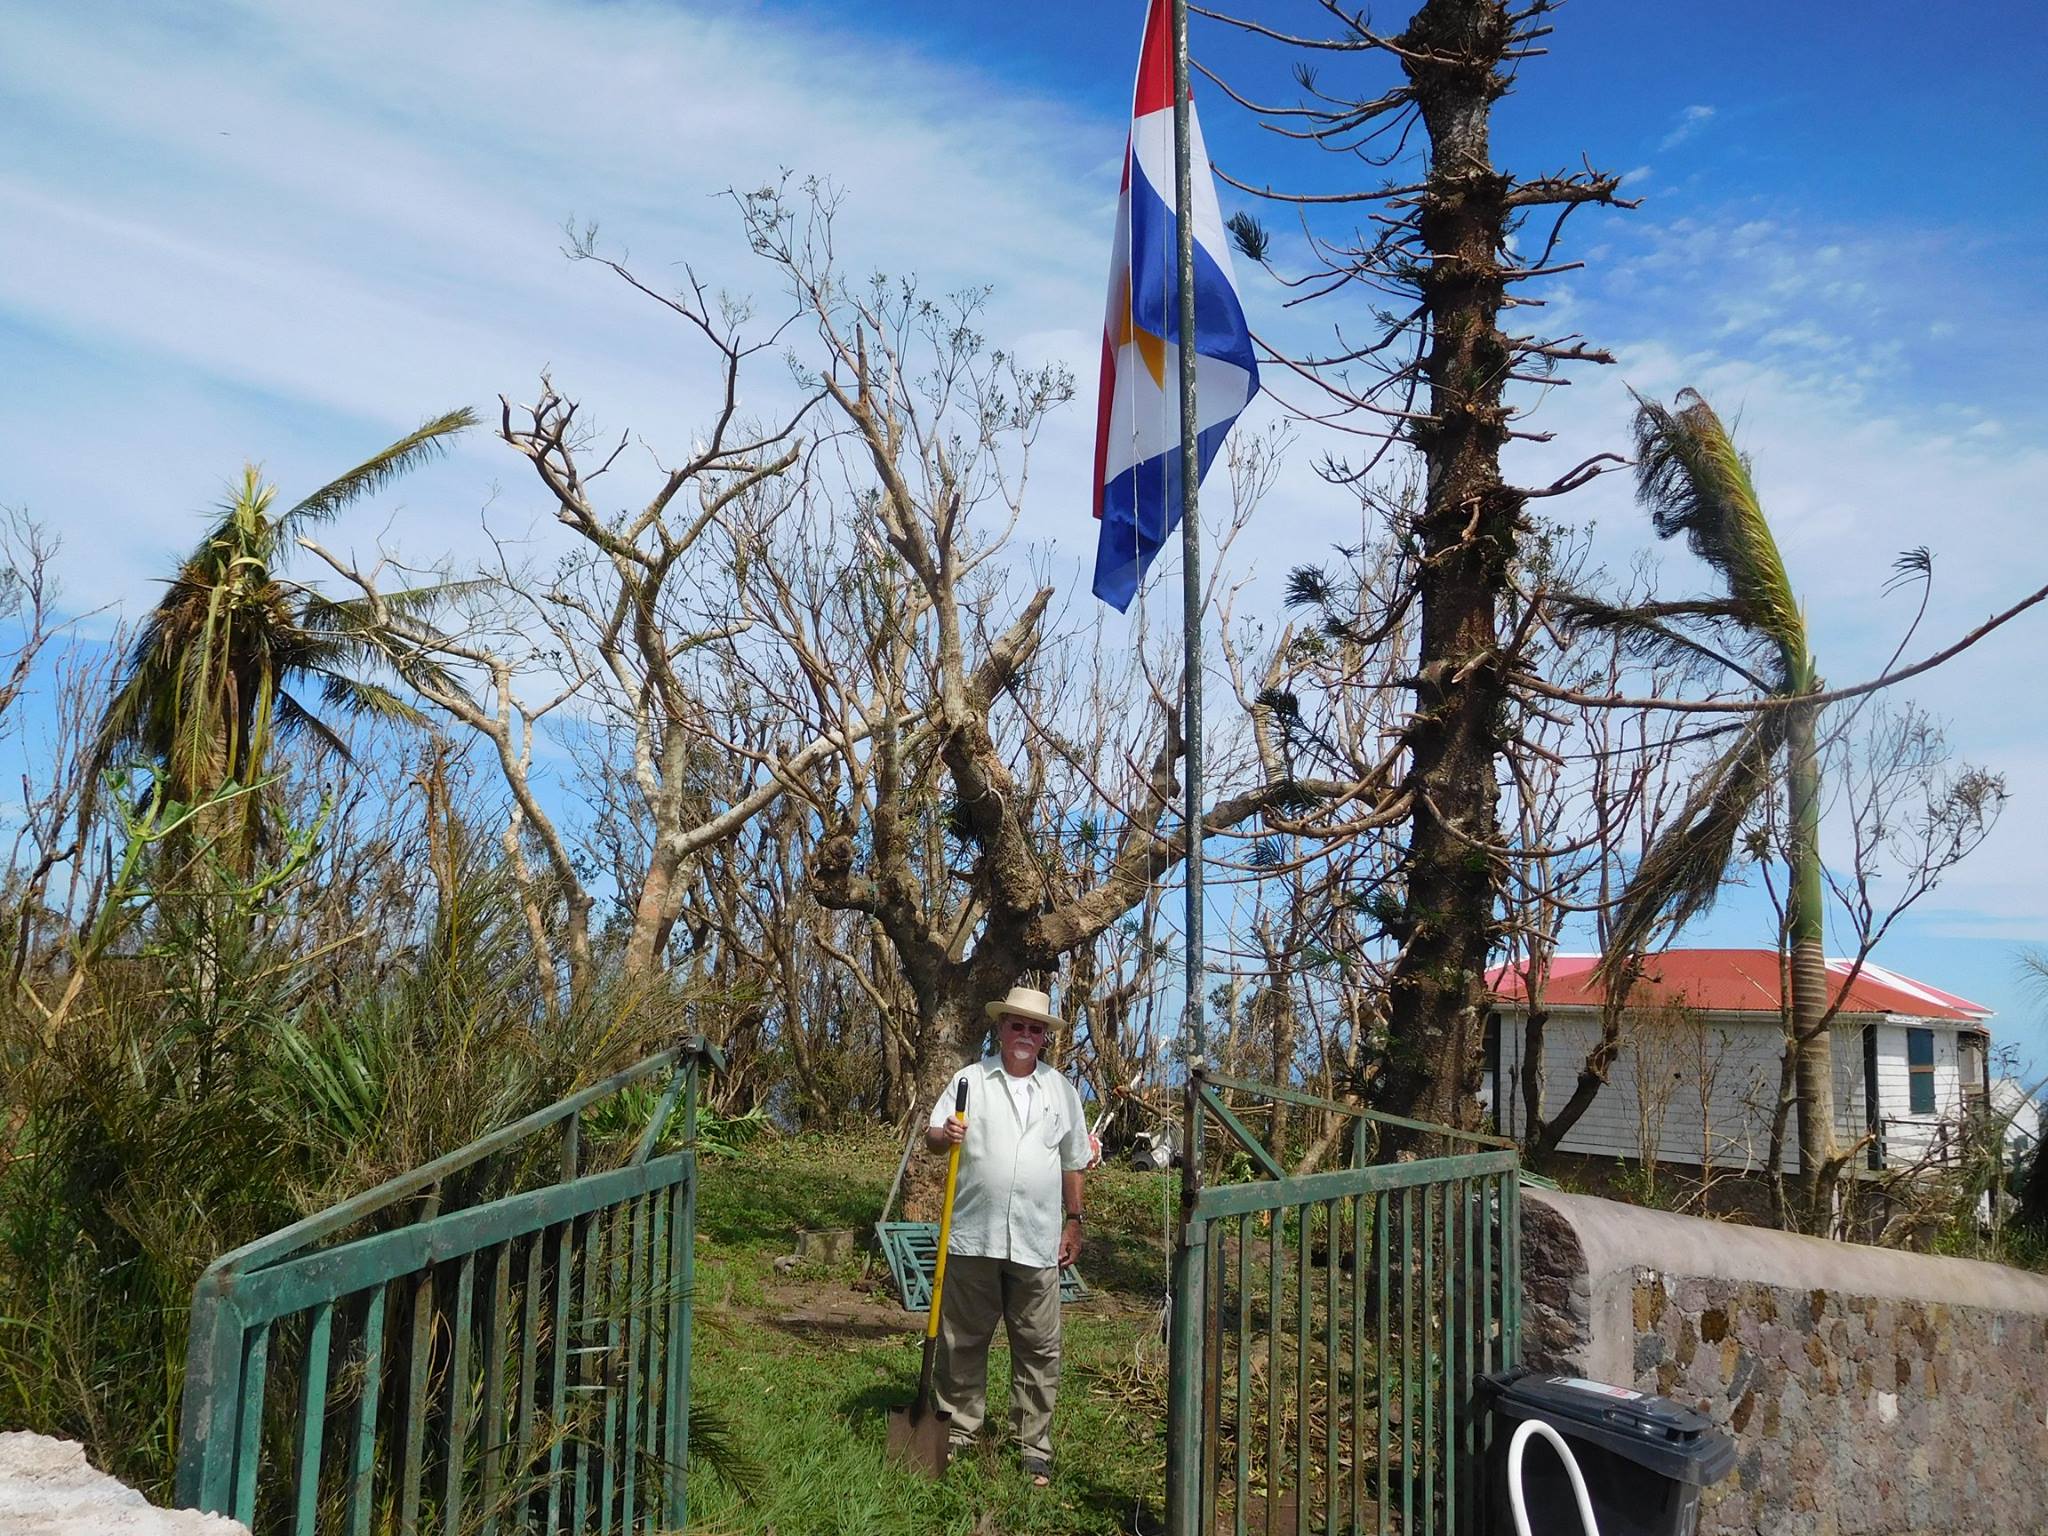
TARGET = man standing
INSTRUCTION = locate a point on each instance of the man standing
(1016, 1222)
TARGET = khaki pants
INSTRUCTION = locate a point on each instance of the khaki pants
(978, 1291)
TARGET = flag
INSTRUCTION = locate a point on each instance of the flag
(1137, 417)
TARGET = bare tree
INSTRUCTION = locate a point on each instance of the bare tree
(1660, 1044)
(959, 777)
(1441, 271)
(626, 645)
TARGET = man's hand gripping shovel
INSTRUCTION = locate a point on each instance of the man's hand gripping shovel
(919, 1435)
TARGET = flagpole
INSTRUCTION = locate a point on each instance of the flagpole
(1185, 1470)
(1190, 527)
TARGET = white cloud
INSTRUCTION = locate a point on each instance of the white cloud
(245, 230)
(231, 231)
(1690, 122)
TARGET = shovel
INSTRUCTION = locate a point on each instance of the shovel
(919, 1434)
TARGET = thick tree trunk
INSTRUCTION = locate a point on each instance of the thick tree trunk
(654, 915)
(1535, 1040)
(2032, 1215)
(1467, 533)
(950, 1035)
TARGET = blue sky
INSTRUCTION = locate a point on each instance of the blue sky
(290, 232)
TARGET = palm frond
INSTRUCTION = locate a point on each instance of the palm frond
(715, 1438)
(294, 719)
(1694, 481)
(1680, 874)
(1915, 564)
(403, 645)
(370, 476)
(1645, 632)
(1582, 611)
(364, 700)
(123, 724)
(302, 650)
(424, 672)
(1283, 702)
(357, 615)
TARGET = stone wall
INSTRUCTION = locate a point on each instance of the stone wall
(1869, 1391)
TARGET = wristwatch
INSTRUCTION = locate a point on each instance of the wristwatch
(1075, 1216)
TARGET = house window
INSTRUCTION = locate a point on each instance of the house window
(1920, 1071)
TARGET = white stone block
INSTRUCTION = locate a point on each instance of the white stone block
(48, 1488)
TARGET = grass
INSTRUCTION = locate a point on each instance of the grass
(805, 1366)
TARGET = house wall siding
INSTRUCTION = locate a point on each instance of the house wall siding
(1739, 1058)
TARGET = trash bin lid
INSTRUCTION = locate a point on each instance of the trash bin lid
(1668, 1438)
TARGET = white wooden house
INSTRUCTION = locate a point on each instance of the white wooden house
(1698, 1071)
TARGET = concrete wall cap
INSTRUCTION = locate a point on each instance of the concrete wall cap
(1621, 1239)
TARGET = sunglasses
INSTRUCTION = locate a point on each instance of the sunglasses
(1024, 1026)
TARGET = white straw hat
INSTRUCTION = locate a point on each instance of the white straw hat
(1030, 1003)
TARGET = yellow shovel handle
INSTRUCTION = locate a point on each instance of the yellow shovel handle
(931, 1327)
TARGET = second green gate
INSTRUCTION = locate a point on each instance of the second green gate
(519, 1364)
(1329, 1332)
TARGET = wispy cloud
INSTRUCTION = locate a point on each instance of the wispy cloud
(1690, 122)
(241, 229)
(1868, 437)
(237, 230)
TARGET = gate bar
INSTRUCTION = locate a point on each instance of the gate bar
(340, 1217)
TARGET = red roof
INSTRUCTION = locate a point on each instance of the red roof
(1737, 981)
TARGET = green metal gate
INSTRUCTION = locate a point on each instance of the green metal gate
(1329, 1329)
(522, 1363)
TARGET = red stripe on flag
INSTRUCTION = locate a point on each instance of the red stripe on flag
(1155, 62)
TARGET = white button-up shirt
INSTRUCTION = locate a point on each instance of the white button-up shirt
(1008, 1203)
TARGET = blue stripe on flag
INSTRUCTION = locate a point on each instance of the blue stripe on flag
(1140, 509)
(1220, 328)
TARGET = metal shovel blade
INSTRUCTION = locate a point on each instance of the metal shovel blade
(919, 1438)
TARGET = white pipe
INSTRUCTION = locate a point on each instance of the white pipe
(1516, 1447)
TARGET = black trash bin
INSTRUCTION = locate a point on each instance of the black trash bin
(1645, 1459)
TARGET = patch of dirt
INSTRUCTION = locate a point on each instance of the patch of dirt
(833, 1311)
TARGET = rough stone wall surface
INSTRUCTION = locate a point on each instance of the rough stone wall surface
(1869, 1392)
(48, 1488)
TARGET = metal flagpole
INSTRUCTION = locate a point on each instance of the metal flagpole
(1190, 528)
(1183, 1410)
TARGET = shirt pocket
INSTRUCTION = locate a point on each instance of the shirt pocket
(1051, 1127)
